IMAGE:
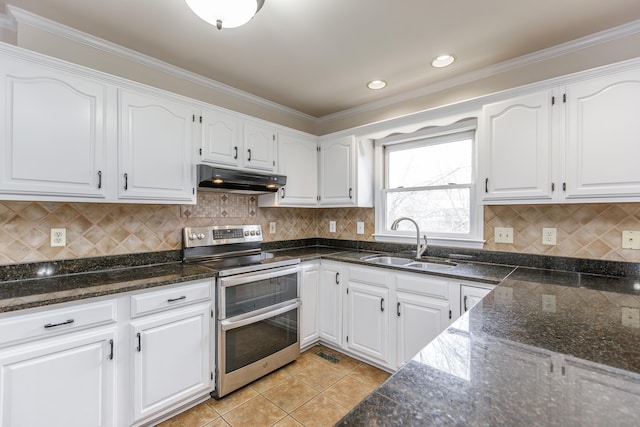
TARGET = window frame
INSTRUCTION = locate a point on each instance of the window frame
(433, 135)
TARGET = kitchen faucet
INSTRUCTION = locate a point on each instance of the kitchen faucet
(420, 249)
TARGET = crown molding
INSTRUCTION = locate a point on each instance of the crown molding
(22, 16)
(7, 22)
(41, 23)
(614, 33)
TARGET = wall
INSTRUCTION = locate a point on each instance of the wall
(95, 229)
(100, 229)
(591, 231)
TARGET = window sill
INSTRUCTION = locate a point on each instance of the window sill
(433, 241)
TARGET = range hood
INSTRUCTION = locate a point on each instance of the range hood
(212, 178)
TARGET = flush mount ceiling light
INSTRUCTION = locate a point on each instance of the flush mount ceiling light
(443, 61)
(225, 13)
(376, 84)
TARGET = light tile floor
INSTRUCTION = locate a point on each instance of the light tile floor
(311, 392)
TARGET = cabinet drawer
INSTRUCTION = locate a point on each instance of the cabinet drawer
(423, 284)
(47, 323)
(178, 296)
(371, 275)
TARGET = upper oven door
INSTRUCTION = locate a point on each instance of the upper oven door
(244, 293)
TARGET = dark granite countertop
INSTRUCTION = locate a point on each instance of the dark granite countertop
(27, 293)
(543, 348)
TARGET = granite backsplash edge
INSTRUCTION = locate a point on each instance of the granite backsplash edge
(82, 265)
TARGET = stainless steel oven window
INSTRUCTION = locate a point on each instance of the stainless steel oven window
(247, 293)
(255, 341)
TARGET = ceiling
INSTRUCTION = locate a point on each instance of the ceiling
(317, 56)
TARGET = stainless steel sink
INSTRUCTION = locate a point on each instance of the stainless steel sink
(388, 260)
(431, 265)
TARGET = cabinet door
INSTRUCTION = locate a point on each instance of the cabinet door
(337, 172)
(470, 296)
(155, 145)
(54, 132)
(517, 149)
(221, 138)
(259, 147)
(330, 304)
(170, 359)
(419, 320)
(298, 160)
(600, 397)
(67, 381)
(368, 320)
(603, 137)
(309, 328)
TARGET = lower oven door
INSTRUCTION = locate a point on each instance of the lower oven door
(250, 347)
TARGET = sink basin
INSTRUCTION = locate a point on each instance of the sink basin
(431, 265)
(388, 260)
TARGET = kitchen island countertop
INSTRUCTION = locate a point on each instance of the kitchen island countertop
(545, 348)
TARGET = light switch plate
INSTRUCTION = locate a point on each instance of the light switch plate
(272, 227)
(549, 303)
(503, 235)
(332, 226)
(631, 240)
(631, 317)
(360, 227)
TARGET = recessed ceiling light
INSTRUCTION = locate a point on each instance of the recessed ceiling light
(376, 84)
(443, 61)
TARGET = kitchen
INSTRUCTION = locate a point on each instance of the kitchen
(112, 229)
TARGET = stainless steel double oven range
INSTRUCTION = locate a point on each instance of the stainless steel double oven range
(257, 303)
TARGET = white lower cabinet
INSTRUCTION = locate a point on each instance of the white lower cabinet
(470, 295)
(309, 311)
(419, 320)
(330, 302)
(66, 380)
(368, 320)
(170, 359)
(422, 311)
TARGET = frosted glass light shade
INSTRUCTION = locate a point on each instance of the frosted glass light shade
(225, 13)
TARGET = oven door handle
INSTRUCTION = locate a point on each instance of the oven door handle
(229, 324)
(241, 279)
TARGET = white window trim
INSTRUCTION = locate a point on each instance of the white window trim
(475, 240)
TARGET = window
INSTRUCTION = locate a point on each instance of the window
(430, 179)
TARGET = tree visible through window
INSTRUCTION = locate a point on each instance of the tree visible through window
(430, 180)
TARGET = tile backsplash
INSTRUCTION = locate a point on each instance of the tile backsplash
(97, 229)
(591, 230)
(100, 229)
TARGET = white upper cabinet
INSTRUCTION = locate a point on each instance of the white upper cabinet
(221, 138)
(577, 143)
(298, 161)
(260, 146)
(517, 148)
(54, 134)
(346, 173)
(229, 141)
(155, 148)
(603, 137)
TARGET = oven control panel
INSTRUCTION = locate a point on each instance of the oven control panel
(220, 235)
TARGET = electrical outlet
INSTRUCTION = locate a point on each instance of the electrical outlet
(58, 237)
(360, 227)
(631, 240)
(272, 227)
(549, 236)
(332, 226)
(503, 295)
(503, 235)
